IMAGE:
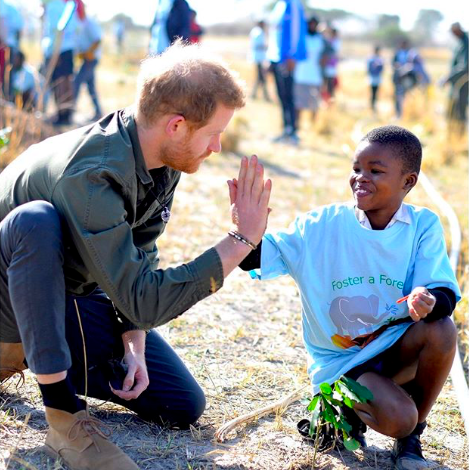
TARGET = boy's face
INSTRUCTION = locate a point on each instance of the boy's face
(378, 183)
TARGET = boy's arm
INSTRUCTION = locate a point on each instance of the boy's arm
(444, 305)
(252, 260)
(430, 304)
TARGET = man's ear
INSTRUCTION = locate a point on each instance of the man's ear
(411, 180)
(175, 124)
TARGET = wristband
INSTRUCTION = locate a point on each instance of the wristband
(242, 239)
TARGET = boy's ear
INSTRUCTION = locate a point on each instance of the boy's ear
(411, 180)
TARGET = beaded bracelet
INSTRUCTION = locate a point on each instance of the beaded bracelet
(242, 239)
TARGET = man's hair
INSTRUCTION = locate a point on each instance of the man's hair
(404, 145)
(186, 80)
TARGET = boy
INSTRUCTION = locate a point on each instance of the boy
(352, 262)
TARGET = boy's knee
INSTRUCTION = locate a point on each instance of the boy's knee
(441, 334)
(402, 419)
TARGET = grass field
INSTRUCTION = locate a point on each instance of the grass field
(244, 343)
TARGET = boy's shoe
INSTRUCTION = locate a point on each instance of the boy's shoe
(11, 360)
(81, 441)
(407, 452)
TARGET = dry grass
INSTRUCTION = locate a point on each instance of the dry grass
(244, 343)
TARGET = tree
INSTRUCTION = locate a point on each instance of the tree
(388, 21)
(426, 23)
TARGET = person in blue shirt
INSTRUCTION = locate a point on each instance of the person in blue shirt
(286, 46)
(408, 72)
(88, 45)
(375, 68)
(353, 262)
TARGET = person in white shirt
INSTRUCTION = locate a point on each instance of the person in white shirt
(308, 74)
(258, 56)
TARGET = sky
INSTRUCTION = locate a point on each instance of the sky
(218, 11)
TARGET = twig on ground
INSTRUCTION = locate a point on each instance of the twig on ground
(281, 404)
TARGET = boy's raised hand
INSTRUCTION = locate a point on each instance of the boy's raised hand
(420, 303)
(249, 198)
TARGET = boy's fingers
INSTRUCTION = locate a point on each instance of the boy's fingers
(232, 191)
(258, 184)
(265, 196)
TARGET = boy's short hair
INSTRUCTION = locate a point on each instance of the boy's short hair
(404, 145)
(186, 80)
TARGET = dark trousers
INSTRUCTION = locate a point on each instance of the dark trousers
(86, 75)
(35, 310)
(374, 96)
(284, 82)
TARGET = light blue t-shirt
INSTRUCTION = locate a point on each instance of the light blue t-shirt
(89, 31)
(350, 277)
(159, 40)
(13, 22)
(308, 71)
(258, 45)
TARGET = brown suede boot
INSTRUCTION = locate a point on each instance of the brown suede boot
(11, 360)
(81, 441)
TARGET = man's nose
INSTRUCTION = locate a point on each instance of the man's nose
(215, 144)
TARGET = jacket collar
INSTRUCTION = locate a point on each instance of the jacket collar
(140, 166)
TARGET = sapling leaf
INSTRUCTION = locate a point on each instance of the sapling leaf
(351, 444)
(343, 424)
(331, 399)
(362, 392)
(346, 392)
(313, 403)
(329, 415)
(314, 420)
(325, 388)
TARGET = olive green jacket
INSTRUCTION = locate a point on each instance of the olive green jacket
(110, 207)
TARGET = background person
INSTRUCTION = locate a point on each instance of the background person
(458, 78)
(286, 46)
(89, 37)
(308, 74)
(375, 67)
(258, 45)
(61, 75)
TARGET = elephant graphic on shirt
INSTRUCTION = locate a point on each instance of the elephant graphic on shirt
(355, 316)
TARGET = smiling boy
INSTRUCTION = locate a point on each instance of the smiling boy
(401, 351)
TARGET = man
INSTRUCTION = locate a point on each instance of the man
(286, 46)
(80, 214)
(458, 78)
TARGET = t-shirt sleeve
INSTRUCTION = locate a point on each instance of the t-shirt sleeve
(281, 251)
(432, 266)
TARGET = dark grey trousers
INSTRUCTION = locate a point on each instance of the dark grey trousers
(35, 310)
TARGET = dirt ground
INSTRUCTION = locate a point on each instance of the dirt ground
(244, 346)
(244, 343)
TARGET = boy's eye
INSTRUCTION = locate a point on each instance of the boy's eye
(375, 172)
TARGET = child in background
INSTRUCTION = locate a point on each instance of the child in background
(375, 68)
(352, 261)
(25, 83)
(258, 44)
